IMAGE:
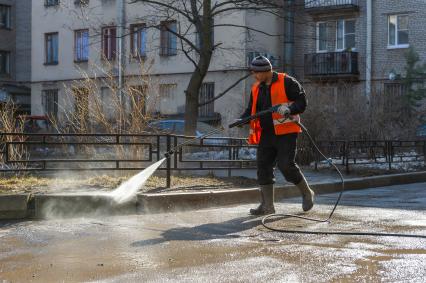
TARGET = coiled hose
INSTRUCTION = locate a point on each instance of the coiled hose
(277, 215)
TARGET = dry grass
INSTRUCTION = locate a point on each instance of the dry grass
(11, 123)
(31, 184)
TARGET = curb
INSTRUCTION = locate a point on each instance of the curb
(25, 206)
(14, 206)
(165, 202)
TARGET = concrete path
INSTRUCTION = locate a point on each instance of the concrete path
(226, 245)
(313, 176)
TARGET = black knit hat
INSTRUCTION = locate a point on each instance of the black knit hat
(260, 64)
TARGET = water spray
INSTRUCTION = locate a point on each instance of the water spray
(128, 190)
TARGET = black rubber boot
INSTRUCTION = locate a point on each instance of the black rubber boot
(308, 195)
(267, 204)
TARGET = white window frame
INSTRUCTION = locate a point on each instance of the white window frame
(344, 33)
(396, 45)
(318, 39)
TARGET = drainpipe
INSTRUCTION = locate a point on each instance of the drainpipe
(288, 64)
(120, 4)
(368, 51)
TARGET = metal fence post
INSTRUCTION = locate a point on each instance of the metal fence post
(424, 153)
(390, 154)
(168, 175)
(6, 152)
(347, 153)
(230, 158)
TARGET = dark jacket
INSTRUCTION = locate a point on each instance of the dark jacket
(295, 93)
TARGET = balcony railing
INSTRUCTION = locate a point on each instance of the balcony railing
(315, 6)
(331, 64)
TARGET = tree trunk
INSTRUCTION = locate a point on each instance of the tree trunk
(204, 28)
(192, 94)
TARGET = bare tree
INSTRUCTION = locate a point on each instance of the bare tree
(200, 15)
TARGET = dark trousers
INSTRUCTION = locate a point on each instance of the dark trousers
(277, 151)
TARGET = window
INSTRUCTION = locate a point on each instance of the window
(109, 42)
(398, 31)
(51, 2)
(345, 34)
(138, 40)
(50, 102)
(206, 94)
(81, 2)
(321, 36)
(81, 45)
(108, 103)
(4, 16)
(51, 47)
(338, 35)
(4, 63)
(198, 39)
(137, 97)
(167, 97)
(394, 100)
(81, 107)
(168, 40)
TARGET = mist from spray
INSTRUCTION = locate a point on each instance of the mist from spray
(130, 188)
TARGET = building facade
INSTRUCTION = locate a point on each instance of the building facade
(333, 43)
(15, 52)
(334, 47)
(76, 40)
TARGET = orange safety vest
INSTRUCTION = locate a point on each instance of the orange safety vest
(282, 126)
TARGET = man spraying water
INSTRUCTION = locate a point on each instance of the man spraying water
(275, 133)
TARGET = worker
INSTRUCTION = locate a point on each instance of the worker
(275, 133)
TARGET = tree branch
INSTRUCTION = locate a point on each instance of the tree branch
(226, 91)
(165, 5)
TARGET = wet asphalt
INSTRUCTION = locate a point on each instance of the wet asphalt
(226, 244)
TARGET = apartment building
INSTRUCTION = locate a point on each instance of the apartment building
(335, 50)
(73, 40)
(15, 54)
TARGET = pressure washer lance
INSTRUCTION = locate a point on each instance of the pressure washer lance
(329, 161)
(176, 148)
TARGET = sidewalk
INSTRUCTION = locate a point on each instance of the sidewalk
(98, 204)
(312, 175)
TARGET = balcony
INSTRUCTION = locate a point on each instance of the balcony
(332, 65)
(328, 6)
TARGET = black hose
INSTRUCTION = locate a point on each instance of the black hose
(332, 211)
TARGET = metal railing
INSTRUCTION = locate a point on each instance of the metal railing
(53, 152)
(331, 63)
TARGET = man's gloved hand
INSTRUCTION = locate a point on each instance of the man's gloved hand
(283, 110)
